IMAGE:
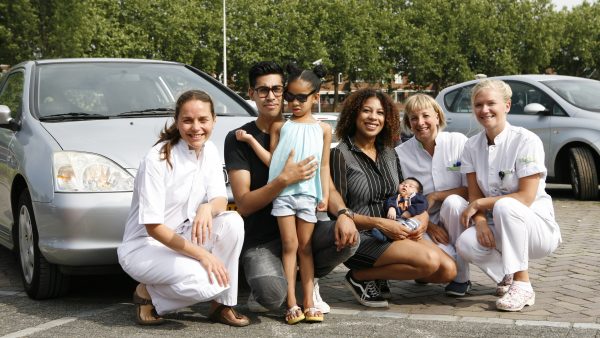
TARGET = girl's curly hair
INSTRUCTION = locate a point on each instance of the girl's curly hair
(346, 126)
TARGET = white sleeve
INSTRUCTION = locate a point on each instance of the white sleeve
(530, 157)
(468, 156)
(152, 190)
(214, 179)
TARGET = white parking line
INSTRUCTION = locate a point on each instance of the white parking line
(450, 318)
(41, 327)
(61, 321)
(12, 293)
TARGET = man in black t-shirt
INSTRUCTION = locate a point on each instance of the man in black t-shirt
(333, 242)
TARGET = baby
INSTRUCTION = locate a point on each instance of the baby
(407, 203)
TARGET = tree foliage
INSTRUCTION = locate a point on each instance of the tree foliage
(435, 42)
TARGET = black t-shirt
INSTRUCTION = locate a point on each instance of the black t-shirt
(260, 227)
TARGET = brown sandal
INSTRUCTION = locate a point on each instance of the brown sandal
(139, 301)
(218, 317)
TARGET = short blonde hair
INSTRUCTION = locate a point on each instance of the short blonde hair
(419, 102)
(497, 85)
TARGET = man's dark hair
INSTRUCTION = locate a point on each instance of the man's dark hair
(264, 68)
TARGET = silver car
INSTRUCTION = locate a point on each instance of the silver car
(72, 134)
(563, 111)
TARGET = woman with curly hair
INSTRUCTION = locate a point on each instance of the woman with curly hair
(366, 170)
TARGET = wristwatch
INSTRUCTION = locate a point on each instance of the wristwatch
(346, 211)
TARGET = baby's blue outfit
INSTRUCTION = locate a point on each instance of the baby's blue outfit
(306, 139)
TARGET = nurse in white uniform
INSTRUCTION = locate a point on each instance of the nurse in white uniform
(510, 217)
(433, 157)
(179, 242)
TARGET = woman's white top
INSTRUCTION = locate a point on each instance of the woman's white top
(171, 195)
(438, 172)
(516, 153)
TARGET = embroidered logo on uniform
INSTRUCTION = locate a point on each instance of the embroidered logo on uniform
(527, 160)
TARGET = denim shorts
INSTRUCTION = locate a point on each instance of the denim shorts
(302, 206)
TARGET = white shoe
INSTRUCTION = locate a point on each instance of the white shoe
(504, 285)
(318, 301)
(255, 306)
(515, 299)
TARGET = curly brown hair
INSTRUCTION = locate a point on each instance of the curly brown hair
(346, 126)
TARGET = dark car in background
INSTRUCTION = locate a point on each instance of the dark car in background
(563, 111)
(72, 134)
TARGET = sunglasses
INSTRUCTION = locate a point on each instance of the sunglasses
(263, 91)
(289, 97)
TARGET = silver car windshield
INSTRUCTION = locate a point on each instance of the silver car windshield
(581, 93)
(120, 89)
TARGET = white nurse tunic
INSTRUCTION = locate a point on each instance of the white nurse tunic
(171, 196)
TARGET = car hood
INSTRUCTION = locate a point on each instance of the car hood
(127, 140)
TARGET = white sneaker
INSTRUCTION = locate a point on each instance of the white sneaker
(255, 306)
(318, 301)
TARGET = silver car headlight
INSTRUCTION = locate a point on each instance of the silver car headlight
(85, 172)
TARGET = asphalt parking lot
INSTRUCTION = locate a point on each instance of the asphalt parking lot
(566, 285)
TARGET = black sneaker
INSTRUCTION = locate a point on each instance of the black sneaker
(458, 289)
(384, 288)
(366, 292)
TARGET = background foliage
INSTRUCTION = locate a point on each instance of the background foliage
(435, 42)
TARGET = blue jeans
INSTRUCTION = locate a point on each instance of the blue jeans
(264, 271)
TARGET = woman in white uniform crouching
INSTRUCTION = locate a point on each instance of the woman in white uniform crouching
(179, 242)
(510, 216)
(433, 157)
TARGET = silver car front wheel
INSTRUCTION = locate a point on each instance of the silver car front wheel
(41, 279)
(26, 244)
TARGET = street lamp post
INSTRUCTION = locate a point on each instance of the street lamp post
(224, 44)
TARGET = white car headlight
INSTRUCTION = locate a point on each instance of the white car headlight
(85, 172)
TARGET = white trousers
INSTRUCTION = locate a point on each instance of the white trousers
(174, 280)
(449, 218)
(520, 235)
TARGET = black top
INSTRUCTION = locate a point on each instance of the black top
(260, 227)
(363, 183)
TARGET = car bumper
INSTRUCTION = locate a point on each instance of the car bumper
(82, 229)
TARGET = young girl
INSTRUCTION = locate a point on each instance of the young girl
(303, 136)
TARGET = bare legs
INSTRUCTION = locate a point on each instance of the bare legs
(408, 259)
(295, 238)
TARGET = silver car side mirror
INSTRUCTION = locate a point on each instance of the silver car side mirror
(5, 117)
(534, 109)
(6, 120)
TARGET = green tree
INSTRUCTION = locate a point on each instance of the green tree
(579, 51)
(19, 38)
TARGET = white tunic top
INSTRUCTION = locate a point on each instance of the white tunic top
(438, 172)
(170, 195)
(516, 153)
